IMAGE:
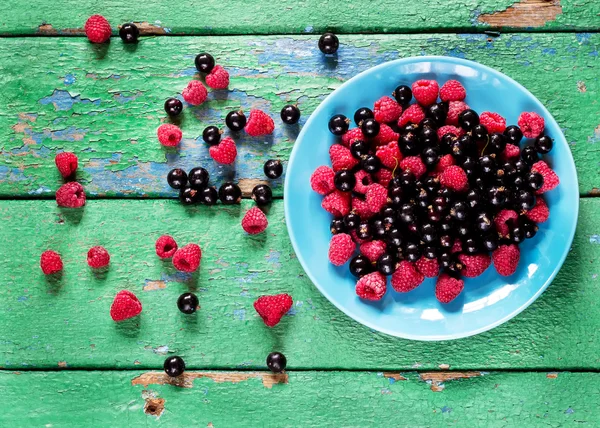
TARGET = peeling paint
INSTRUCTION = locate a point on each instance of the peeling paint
(436, 379)
(186, 380)
(524, 14)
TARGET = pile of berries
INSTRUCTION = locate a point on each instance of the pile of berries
(430, 189)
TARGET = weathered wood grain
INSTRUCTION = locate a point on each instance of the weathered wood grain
(66, 323)
(324, 399)
(105, 103)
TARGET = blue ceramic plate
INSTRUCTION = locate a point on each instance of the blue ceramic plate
(487, 301)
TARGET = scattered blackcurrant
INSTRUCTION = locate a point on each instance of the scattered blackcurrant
(329, 43)
(235, 120)
(204, 62)
(276, 362)
(290, 114)
(262, 194)
(188, 303)
(173, 106)
(230, 193)
(273, 168)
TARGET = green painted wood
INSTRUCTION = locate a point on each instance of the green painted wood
(324, 399)
(105, 103)
(66, 323)
(268, 17)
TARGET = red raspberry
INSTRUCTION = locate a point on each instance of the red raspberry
(259, 123)
(474, 265)
(272, 308)
(456, 246)
(454, 178)
(386, 135)
(449, 129)
(510, 152)
(363, 180)
(66, 163)
(413, 164)
(341, 248)
(372, 250)
(361, 207)
(540, 212)
(70, 195)
(551, 180)
(50, 262)
(406, 277)
(503, 219)
(389, 154)
(413, 114)
(97, 29)
(321, 181)
(225, 152)
(506, 259)
(425, 91)
(383, 177)
(531, 124)
(98, 257)
(125, 305)
(454, 109)
(195, 93)
(169, 135)
(341, 157)
(448, 288)
(371, 287)
(376, 197)
(254, 221)
(165, 247)
(452, 90)
(351, 136)
(337, 203)
(218, 78)
(492, 121)
(428, 267)
(187, 258)
(386, 110)
(444, 162)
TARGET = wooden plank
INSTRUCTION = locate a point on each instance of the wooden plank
(65, 94)
(324, 399)
(267, 17)
(50, 324)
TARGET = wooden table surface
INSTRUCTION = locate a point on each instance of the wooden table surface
(65, 362)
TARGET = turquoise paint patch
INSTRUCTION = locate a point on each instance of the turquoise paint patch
(595, 239)
(63, 100)
(69, 79)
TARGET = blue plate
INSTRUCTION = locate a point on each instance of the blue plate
(487, 301)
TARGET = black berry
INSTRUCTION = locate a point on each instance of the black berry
(370, 128)
(339, 124)
(129, 33)
(230, 193)
(188, 196)
(409, 144)
(361, 114)
(534, 180)
(514, 134)
(543, 144)
(497, 143)
(209, 195)
(262, 194)
(198, 178)
(525, 200)
(360, 266)
(188, 303)
(529, 155)
(402, 94)
(352, 221)
(174, 366)
(273, 168)
(204, 62)
(173, 106)
(364, 230)
(329, 43)
(337, 226)
(468, 119)
(276, 362)
(290, 114)
(529, 227)
(235, 120)
(359, 149)
(211, 135)
(371, 164)
(412, 252)
(344, 180)
(386, 264)
(438, 113)
(479, 134)
(177, 178)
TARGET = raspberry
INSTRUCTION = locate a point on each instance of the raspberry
(540, 212)
(169, 135)
(474, 265)
(413, 114)
(448, 288)
(225, 152)
(165, 247)
(98, 257)
(454, 109)
(218, 78)
(341, 157)
(321, 181)
(195, 93)
(383, 176)
(363, 180)
(337, 203)
(503, 220)
(428, 267)
(452, 90)
(361, 207)
(386, 135)
(376, 197)
(66, 163)
(425, 91)
(456, 246)
(444, 162)
(506, 259)
(371, 286)
(386, 110)
(449, 129)
(531, 124)
(373, 250)
(97, 29)
(341, 248)
(50, 262)
(70, 195)
(272, 308)
(187, 258)
(413, 164)
(259, 123)
(389, 154)
(551, 180)
(406, 277)
(351, 136)
(125, 305)
(254, 221)
(511, 151)
(492, 121)
(454, 178)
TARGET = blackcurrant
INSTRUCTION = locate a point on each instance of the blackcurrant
(204, 62)
(525, 200)
(517, 234)
(529, 155)
(407, 213)
(394, 237)
(386, 264)
(479, 134)
(371, 164)
(430, 156)
(359, 149)
(177, 178)
(129, 33)
(514, 134)
(198, 178)
(534, 180)
(362, 114)
(412, 252)
(459, 211)
(407, 181)
(290, 114)
(409, 144)
(428, 123)
(529, 227)
(352, 221)
(428, 232)
(497, 143)
(262, 194)
(363, 231)
(230, 193)
(438, 113)
(187, 303)
(360, 266)
(370, 128)
(468, 119)
(273, 168)
(489, 242)
(339, 124)
(329, 43)
(402, 94)
(188, 196)
(487, 165)
(174, 366)
(484, 222)
(337, 226)
(470, 245)
(173, 106)
(276, 362)
(211, 135)
(344, 180)
(428, 136)
(209, 195)
(543, 144)
(395, 195)
(235, 120)
(430, 252)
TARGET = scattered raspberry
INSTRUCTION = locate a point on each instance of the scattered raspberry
(97, 29)
(474, 265)
(50, 262)
(454, 109)
(371, 286)
(511, 151)
(351, 136)
(452, 90)
(413, 164)
(406, 277)
(165, 247)
(449, 129)
(218, 78)
(387, 110)
(550, 178)
(361, 207)
(540, 212)
(363, 180)
(66, 163)
(503, 220)
(70, 195)
(255, 221)
(383, 177)
(259, 123)
(341, 157)
(428, 267)
(448, 288)
(225, 152)
(456, 246)
(321, 181)
(425, 91)
(454, 178)
(125, 305)
(444, 162)
(389, 154)
(506, 259)
(337, 203)
(376, 197)
(187, 258)
(272, 308)
(386, 135)
(341, 248)
(531, 124)
(413, 114)
(169, 135)
(372, 249)
(195, 93)
(492, 121)
(98, 257)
